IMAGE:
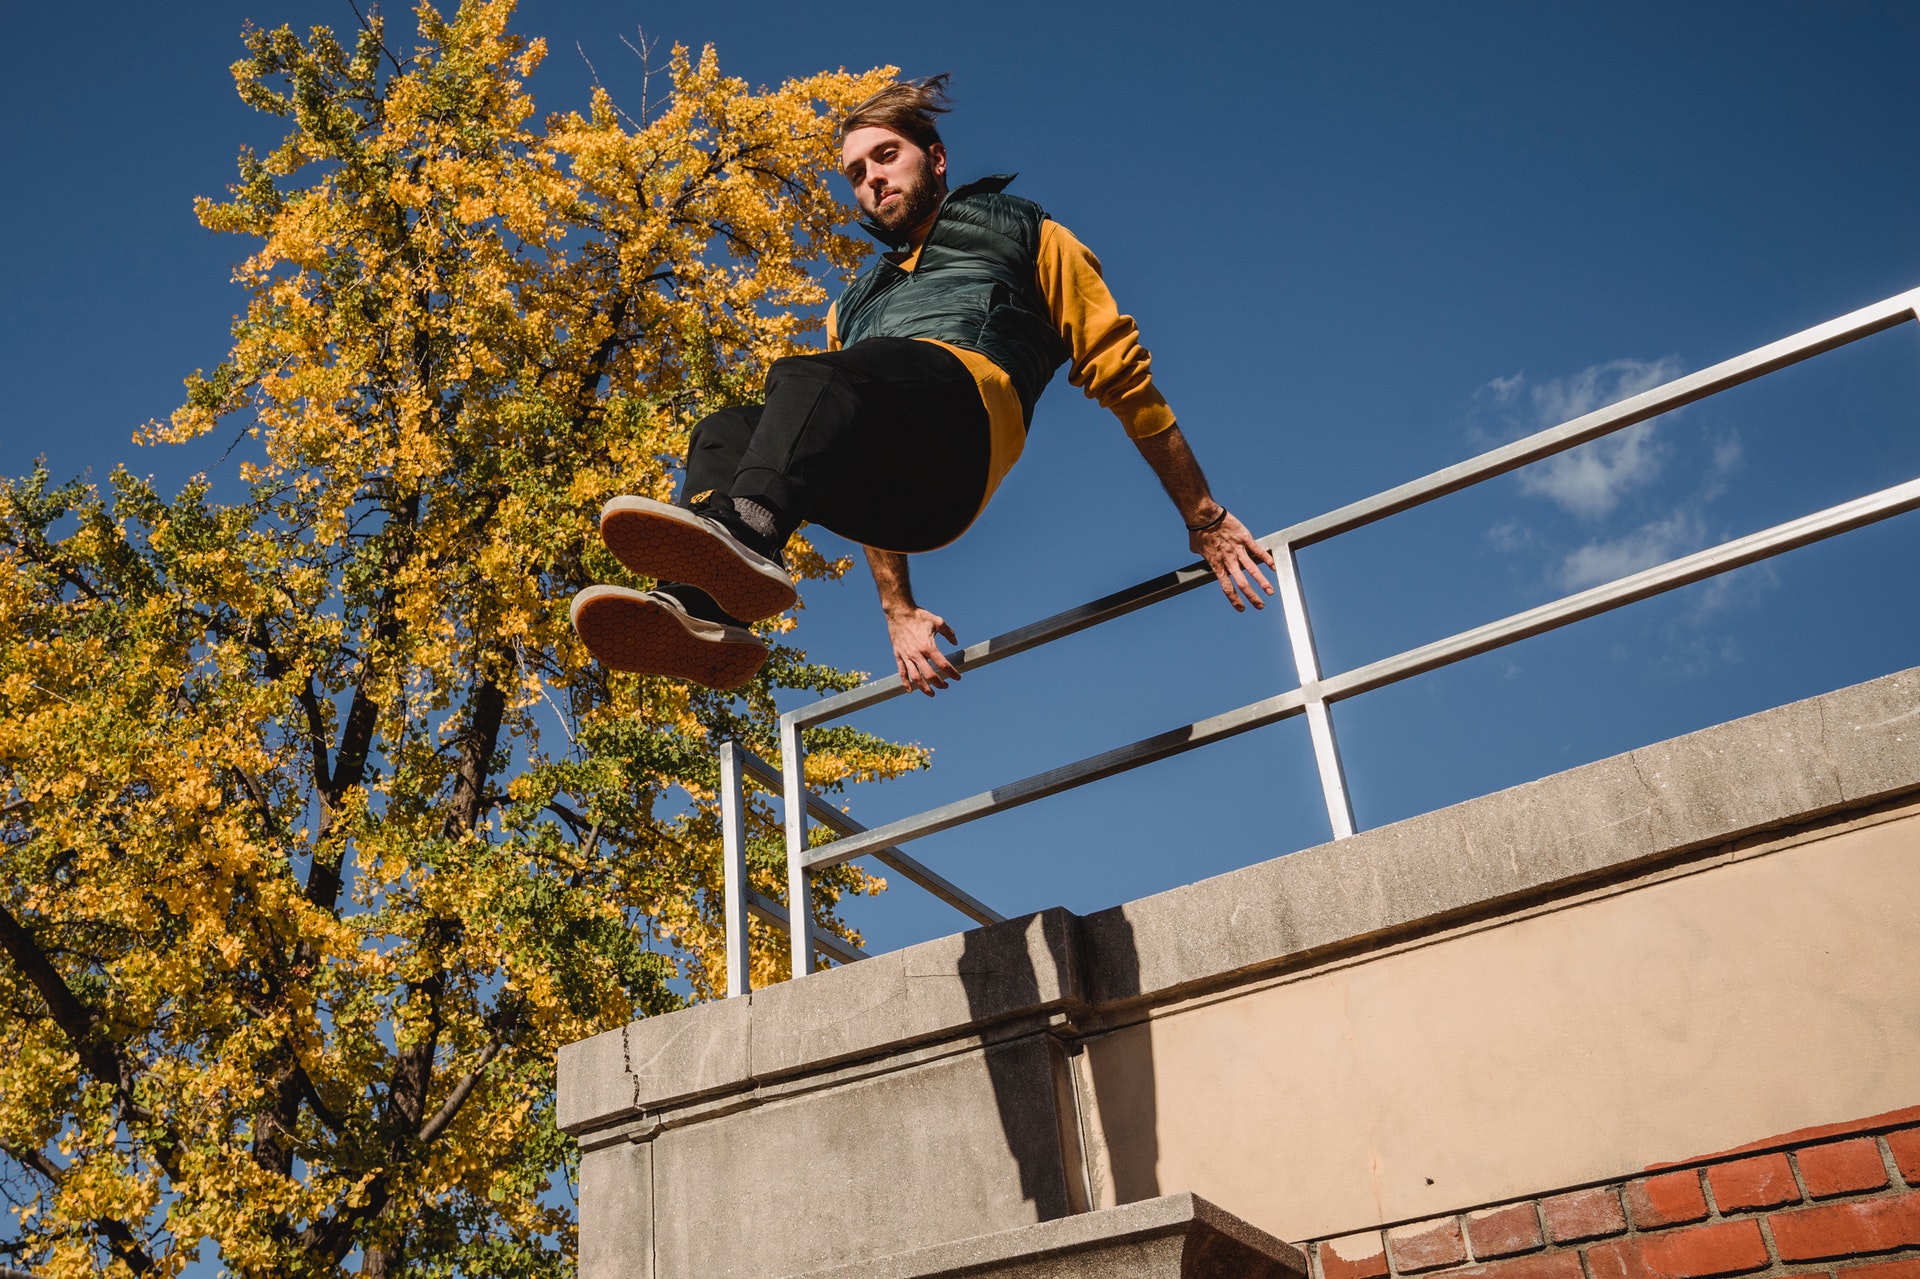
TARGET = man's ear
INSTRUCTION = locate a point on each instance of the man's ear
(938, 154)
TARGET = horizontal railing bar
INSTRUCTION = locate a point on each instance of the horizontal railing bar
(1681, 391)
(1013, 642)
(1764, 544)
(912, 868)
(1053, 781)
(774, 913)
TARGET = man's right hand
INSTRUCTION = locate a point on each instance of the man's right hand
(919, 661)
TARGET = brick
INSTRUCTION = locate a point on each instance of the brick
(1909, 1268)
(1504, 1232)
(1905, 1146)
(1842, 1168)
(1765, 1181)
(1671, 1199)
(1580, 1215)
(1426, 1245)
(1848, 1230)
(1360, 1256)
(1557, 1265)
(1721, 1248)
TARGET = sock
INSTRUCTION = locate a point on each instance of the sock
(754, 516)
(698, 603)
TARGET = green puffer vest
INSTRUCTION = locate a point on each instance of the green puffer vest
(974, 286)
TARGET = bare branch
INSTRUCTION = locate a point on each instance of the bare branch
(645, 54)
(595, 73)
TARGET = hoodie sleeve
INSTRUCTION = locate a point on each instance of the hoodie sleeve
(1107, 362)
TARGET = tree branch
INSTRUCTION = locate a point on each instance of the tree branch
(321, 1110)
(458, 1097)
(413, 1066)
(33, 1159)
(120, 1238)
(486, 707)
(75, 1019)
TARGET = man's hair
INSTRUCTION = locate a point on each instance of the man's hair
(907, 107)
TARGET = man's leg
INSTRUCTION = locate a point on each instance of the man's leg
(885, 442)
(715, 448)
(889, 434)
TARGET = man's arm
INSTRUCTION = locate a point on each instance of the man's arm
(916, 657)
(1213, 532)
(1110, 364)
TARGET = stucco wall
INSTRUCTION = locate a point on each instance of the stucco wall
(1770, 989)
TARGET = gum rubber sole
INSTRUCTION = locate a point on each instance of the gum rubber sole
(628, 631)
(672, 544)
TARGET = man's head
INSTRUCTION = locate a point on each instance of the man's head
(892, 154)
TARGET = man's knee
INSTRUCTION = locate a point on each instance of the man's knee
(806, 373)
(726, 431)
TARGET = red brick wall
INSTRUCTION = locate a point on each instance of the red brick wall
(1842, 1201)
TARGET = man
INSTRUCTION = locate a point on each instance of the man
(897, 435)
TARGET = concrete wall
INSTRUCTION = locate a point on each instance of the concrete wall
(1676, 951)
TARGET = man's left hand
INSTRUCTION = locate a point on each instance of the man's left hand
(1235, 557)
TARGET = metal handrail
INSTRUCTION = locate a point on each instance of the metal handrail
(1315, 693)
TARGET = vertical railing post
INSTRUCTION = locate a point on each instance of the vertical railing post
(799, 879)
(1306, 663)
(733, 862)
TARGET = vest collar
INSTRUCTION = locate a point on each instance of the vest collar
(993, 182)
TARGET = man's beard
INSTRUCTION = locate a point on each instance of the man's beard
(919, 198)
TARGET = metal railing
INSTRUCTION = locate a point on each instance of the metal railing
(1314, 694)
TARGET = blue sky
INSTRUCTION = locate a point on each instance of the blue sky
(1362, 240)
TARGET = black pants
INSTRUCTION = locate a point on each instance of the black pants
(885, 443)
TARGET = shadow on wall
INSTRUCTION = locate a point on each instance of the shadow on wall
(1120, 1095)
(1081, 1129)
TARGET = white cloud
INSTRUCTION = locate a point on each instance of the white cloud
(1742, 588)
(1658, 485)
(1510, 536)
(1726, 460)
(1588, 481)
(1650, 544)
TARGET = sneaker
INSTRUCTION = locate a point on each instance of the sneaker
(711, 549)
(652, 633)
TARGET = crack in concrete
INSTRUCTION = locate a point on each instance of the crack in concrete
(626, 1063)
(1826, 752)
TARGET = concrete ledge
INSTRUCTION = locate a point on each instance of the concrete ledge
(1840, 750)
(939, 989)
(1173, 1237)
(1612, 819)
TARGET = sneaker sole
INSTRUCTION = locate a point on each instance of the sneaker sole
(672, 544)
(628, 632)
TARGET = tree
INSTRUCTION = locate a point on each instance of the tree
(321, 832)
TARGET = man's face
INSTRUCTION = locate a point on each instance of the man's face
(897, 184)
